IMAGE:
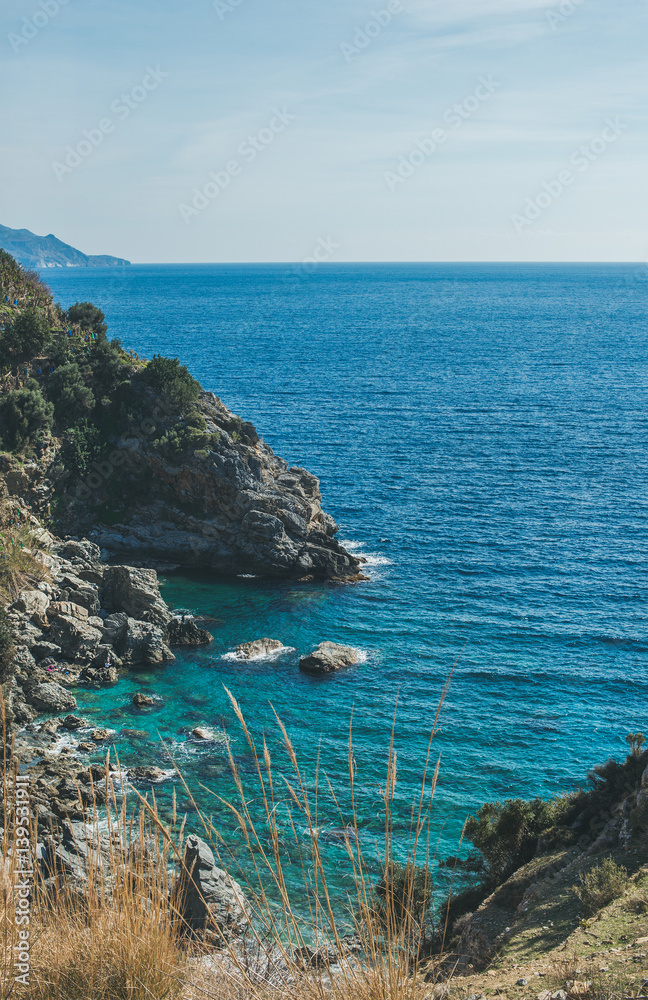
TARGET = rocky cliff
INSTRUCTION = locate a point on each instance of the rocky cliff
(233, 507)
(137, 457)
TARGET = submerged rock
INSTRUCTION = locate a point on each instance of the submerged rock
(327, 658)
(200, 733)
(141, 700)
(259, 647)
(148, 774)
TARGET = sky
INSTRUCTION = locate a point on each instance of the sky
(344, 130)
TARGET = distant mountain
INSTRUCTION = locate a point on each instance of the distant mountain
(46, 251)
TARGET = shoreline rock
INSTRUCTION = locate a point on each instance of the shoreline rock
(258, 647)
(328, 658)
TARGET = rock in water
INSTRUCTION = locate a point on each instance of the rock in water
(202, 734)
(142, 700)
(51, 697)
(147, 774)
(259, 647)
(72, 723)
(187, 633)
(327, 658)
(206, 897)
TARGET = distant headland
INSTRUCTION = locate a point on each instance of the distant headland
(48, 251)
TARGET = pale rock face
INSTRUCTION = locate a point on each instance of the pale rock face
(68, 609)
(51, 697)
(32, 602)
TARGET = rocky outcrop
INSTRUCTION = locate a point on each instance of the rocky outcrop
(235, 507)
(327, 658)
(51, 697)
(135, 592)
(206, 897)
(185, 632)
(259, 647)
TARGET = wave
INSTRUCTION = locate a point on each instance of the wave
(371, 558)
(259, 658)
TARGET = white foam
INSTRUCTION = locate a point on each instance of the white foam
(246, 576)
(240, 658)
(167, 775)
(371, 558)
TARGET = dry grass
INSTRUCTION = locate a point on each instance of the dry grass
(119, 937)
(19, 569)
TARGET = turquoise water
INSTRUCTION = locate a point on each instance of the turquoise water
(480, 434)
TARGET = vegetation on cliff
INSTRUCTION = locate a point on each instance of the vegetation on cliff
(128, 445)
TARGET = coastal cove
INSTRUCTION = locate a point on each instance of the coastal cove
(480, 435)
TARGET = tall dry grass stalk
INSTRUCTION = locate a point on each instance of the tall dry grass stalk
(119, 936)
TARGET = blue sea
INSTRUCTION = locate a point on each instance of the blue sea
(480, 433)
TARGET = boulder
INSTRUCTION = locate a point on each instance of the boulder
(32, 602)
(141, 700)
(72, 723)
(259, 647)
(187, 633)
(101, 676)
(77, 640)
(69, 609)
(206, 897)
(114, 628)
(149, 774)
(42, 650)
(23, 660)
(327, 658)
(51, 697)
(144, 644)
(200, 733)
(136, 592)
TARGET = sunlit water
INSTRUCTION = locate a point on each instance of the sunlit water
(480, 435)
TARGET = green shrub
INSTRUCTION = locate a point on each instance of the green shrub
(507, 833)
(71, 396)
(172, 381)
(82, 447)
(109, 364)
(25, 338)
(89, 318)
(25, 416)
(636, 743)
(6, 641)
(600, 886)
(404, 894)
